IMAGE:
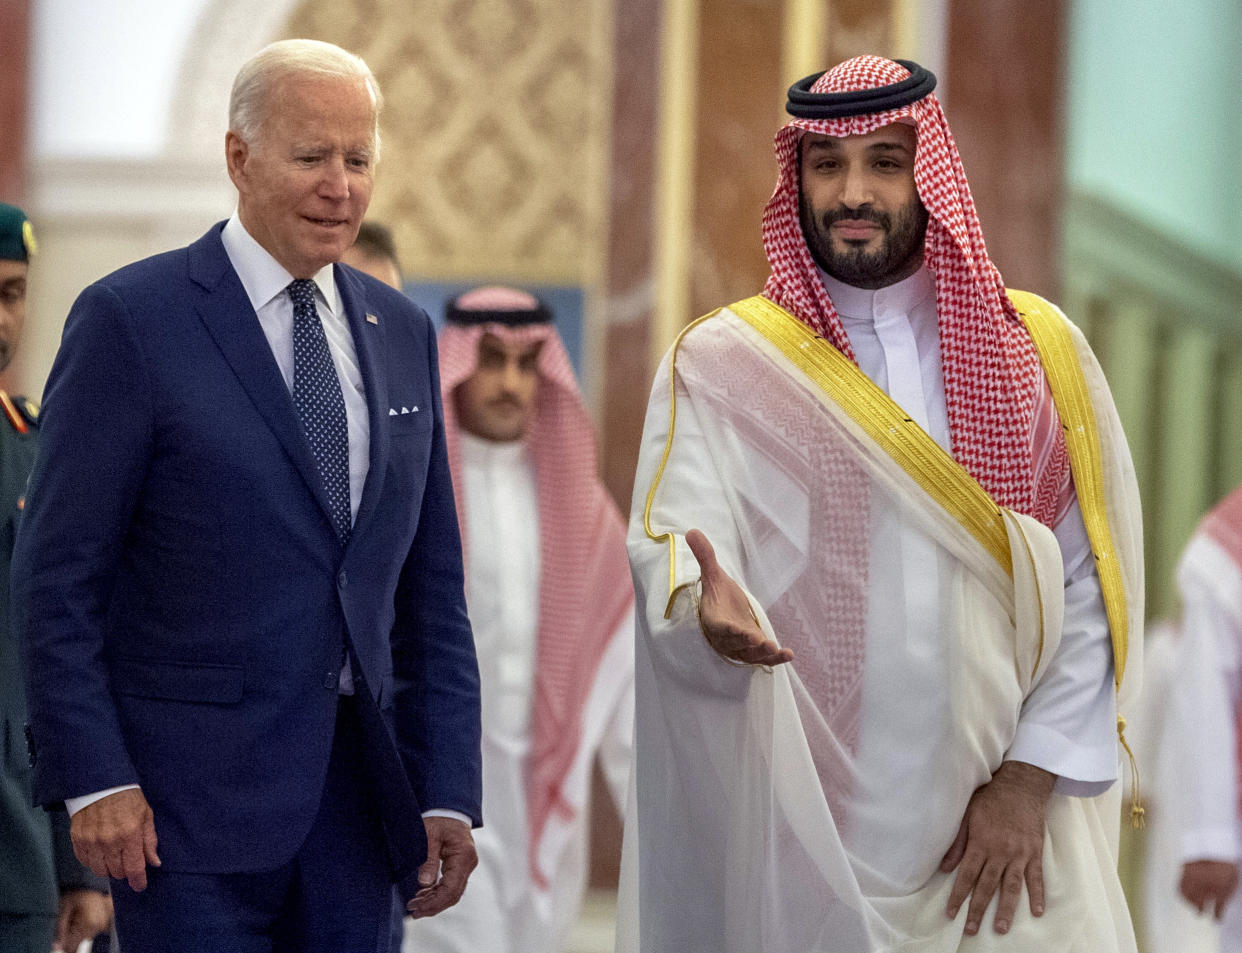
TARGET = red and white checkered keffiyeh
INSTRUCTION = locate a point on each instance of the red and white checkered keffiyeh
(585, 590)
(1004, 430)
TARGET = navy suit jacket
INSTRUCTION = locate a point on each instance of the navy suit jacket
(182, 596)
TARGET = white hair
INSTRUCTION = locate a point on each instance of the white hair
(281, 60)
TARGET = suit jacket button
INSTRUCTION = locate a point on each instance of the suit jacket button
(332, 680)
(342, 579)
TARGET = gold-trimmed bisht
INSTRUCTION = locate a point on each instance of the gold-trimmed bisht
(1051, 335)
(935, 470)
(883, 420)
(673, 589)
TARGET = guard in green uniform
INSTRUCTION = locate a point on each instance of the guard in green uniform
(45, 894)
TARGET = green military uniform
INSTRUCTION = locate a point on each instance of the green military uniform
(36, 856)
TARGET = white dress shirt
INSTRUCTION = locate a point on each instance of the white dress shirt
(265, 281)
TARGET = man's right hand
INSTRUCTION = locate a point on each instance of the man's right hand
(84, 914)
(1208, 884)
(725, 614)
(115, 837)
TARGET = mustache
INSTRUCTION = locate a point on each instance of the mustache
(506, 400)
(861, 214)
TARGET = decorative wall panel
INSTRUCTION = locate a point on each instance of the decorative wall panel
(495, 130)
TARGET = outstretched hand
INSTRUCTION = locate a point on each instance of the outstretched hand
(725, 614)
(1000, 846)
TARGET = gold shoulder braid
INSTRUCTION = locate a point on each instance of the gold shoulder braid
(669, 537)
(883, 420)
(12, 413)
(1051, 336)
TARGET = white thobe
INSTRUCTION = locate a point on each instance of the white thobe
(502, 910)
(1068, 721)
(1203, 702)
(803, 795)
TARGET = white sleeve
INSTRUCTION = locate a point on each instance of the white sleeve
(445, 812)
(1203, 703)
(690, 496)
(1068, 723)
(75, 804)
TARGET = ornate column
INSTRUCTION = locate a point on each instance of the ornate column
(629, 283)
(14, 84)
(1004, 102)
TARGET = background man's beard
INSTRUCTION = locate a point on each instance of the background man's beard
(902, 242)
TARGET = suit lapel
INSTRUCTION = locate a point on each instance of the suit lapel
(369, 345)
(230, 319)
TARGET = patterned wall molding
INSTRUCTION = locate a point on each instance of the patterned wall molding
(496, 130)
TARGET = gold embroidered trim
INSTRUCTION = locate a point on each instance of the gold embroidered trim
(1051, 336)
(882, 419)
(669, 537)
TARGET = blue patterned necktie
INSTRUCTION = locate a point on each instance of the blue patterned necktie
(317, 397)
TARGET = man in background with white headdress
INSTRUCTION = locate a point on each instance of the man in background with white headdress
(551, 605)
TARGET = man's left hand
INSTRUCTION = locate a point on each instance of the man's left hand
(1208, 885)
(1000, 845)
(84, 914)
(451, 855)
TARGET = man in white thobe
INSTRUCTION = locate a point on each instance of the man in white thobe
(876, 660)
(1201, 734)
(550, 600)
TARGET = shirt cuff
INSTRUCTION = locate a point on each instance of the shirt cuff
(1211, 843)
(75, 804)
(445, 812)
(1081, 770)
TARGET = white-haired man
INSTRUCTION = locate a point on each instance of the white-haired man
(239, 578)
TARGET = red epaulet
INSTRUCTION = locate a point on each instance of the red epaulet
(14, 415)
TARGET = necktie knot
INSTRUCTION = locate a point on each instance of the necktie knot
(301, 293)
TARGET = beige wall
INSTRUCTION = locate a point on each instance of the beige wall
(93, 216)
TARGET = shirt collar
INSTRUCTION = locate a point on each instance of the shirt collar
(263, 276)
(900, 298)
(476, 451)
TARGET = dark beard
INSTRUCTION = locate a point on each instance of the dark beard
(902, 244)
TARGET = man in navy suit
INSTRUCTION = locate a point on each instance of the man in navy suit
(238, 579)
